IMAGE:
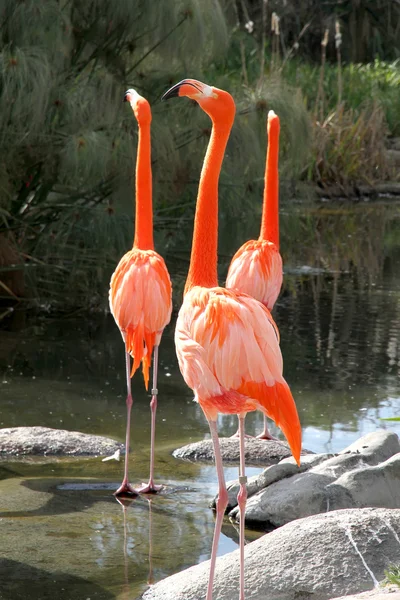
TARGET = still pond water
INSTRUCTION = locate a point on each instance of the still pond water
(63, 535)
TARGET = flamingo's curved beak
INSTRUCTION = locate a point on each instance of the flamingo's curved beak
(189, 87)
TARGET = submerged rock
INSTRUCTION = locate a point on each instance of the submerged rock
(318, 557)
(71, 533)
(367, 473)
(44, 441)
(257, 452)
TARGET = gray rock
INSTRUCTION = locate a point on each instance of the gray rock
(310, 460)
(285, 468)
(341, 463)
(387, 592)
(324, 482)
(375, 447)
(315, 558)
(373, 486)
(44, 441)
(257, 452)
(371, 449)
(289, 499)
(288, 466)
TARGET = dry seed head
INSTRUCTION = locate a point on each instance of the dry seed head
(275, 23)
(325, 38)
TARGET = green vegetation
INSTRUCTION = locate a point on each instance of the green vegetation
(349, 134)
(377, 81)
(68, 142)
(352, 107)
(393, 575)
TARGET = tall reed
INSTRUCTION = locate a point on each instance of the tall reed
(319, 102)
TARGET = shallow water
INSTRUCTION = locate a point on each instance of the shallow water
(63, 535)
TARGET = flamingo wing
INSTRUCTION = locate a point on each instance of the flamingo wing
(140, 301)
(256, 269)
(228, 352)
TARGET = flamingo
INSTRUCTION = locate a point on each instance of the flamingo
(140, 291)
(256, 268)
(226, 341)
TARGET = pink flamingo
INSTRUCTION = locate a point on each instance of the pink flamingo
(256, 268)
(226, 341)
(140, 291)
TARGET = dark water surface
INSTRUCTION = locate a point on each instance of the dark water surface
(64, 536)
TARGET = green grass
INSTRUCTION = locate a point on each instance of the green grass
(392, 575)
(348, 141)
(378, 81)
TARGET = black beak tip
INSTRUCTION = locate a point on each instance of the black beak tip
(174, 91)
(171, 93)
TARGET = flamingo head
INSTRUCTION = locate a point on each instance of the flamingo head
(217, 103)
(140, 106)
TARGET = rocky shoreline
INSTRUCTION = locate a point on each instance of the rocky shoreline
(319, 557)
(335, 520)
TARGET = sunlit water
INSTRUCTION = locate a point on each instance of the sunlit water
(63, 535)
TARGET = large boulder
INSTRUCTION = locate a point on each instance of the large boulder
(44, 441)
(315, 558)
(375, 446)
(301, 496)
(367, 473)
(373, 486)
(257, 452)
(284, 469)
(387, 592)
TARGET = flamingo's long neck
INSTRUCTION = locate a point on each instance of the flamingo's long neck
(203, 259)
(270, 216)
(144, 207)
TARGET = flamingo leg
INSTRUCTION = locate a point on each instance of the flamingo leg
(242, 497)
(150, 487)
(266, 434)
(221, 504)
(125, 489)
